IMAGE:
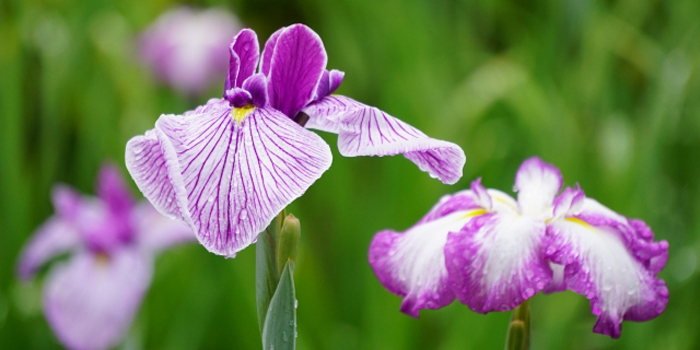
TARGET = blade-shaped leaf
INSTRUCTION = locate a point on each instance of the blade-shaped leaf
(279, 331)
(266, 267)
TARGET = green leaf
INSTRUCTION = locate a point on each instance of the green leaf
(279, 331)
(266, 275)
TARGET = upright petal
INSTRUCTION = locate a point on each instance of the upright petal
(235, 170)
(266, 60)
(66, 202)
(612, 263)
(371, 132)
(147, 165)
(537, 183)
(113, 191)
(330, 81)
(297, 64)
(496, 261)
(53, 238)
(411, 264)
(91, 300)
(245, 53)
(155, 232)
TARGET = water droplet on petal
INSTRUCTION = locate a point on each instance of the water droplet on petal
(210, 199)
(244, 214)
(296, 303)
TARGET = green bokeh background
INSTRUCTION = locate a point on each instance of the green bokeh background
(609, 91)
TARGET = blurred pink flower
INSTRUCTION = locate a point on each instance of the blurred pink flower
(91, 299)
(188, 48)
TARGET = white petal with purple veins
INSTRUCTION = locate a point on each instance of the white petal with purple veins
(234, 170)
(91, 300)
(147, 165)
(371, 132)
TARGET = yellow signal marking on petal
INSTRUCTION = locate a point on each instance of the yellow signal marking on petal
(580, 222)
(472, 213)
(240, 113)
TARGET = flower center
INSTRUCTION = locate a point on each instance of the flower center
(240, 113)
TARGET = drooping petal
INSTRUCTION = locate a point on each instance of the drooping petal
(335, 78)
(411, 264)
(113, 191)
(326, 113)
(459, 201)
(371, 132)
(55, 237)
(91, 300)
(156, 232)
(268, 50)
(496, 261)
(146, 163)
(235, 170)
(297, 64)
(537, 183)
(612, 263)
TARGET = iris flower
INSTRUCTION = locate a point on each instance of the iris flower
(492, 252)
(228, 167)
(186, 48)
(90, 300)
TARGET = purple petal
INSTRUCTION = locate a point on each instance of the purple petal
(55, 237)
(269, 49)
(371, 132)
(235, 170)
(411, 264)
(245, 45)
(91, 300)
(156, 232)
(257, 86)
(113, 191)
(146, 163)
(335, 78)
(238, 97)
(66, 201)
(297, 64)
(330, 81)
(537, 183)
(496, 262)
(612, 263)
(233, 67)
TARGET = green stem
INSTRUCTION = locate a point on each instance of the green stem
(518, 337)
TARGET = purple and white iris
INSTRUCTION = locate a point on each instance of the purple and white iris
(228, 167)
(186, 48)
(492, 252)
(91, 299)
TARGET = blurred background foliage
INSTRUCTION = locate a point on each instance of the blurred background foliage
(608, 91)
